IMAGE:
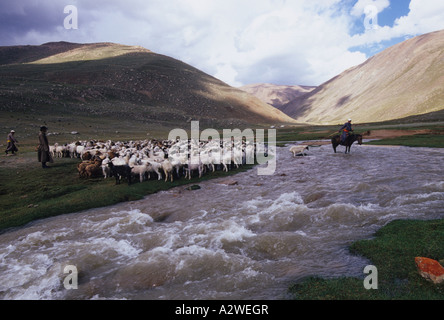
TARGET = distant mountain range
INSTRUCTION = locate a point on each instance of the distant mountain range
(402, 81)
(107, 80)
(276, 95)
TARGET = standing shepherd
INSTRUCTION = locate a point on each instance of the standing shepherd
(44, 155)
(11, 143)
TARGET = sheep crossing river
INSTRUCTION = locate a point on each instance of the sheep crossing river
(249, 240)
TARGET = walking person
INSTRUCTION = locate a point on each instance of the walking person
(44, 155)
(12, 141)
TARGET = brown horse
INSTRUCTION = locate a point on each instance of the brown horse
(352, 138)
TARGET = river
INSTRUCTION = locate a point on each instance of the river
(241, 241)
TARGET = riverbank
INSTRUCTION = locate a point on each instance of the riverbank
(410, 135)
(396, 245)
(28, 193)
(392, 250)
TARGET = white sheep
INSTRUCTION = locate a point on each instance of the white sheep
(59, 151)
(298, 150)
(249, 154)
(105, 168)
(140, 170)
(191, 166)
(167, 167)
(52, 150)
(178, 161)
(226, 158)
(72, 150)
(146, 157)
(207, 160)
(237, 156)
(153, 166)
(80, 150)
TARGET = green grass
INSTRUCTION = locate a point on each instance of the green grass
(392, 251)
(28, 193)
(419, 140)
(431, 140)
(304, 133)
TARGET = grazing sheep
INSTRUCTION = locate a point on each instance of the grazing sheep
(106, 170)
(207, 160)
(193, 167)
(120, 172)
(167, 169)
(52, 150)
(79, 150)
(140, 170)
(81, 168)
(177, 162)
(59, 151)
(94, 169)
(153, 166)
(145, 157)
(226, 159)
(86, 156)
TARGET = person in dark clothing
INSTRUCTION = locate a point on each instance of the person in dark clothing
(43, 153)
(11, 143)
(346, 129)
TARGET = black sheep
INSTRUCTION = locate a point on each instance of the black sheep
(120, 171)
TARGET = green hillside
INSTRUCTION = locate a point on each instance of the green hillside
(103, 89)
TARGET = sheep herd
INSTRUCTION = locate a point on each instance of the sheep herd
(158, 159)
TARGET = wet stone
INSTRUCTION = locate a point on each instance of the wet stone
(430, 269)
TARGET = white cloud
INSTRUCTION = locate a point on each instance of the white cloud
(238, 41)
(425, 16)
(256, 41)
(360, 7)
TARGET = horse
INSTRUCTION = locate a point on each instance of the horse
(352, 138)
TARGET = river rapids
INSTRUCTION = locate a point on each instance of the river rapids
(246, 240)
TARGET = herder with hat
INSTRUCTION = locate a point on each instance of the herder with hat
(346, 129)
(11, 143)
(44, 155)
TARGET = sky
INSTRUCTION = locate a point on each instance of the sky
(284, 42)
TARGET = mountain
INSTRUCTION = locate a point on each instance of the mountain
(402, 81)
(124, 83)
(276, 95)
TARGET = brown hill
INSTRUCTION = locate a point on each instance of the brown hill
(276, 95)
(122, 82)
(404, 80)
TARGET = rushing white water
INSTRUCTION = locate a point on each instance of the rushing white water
(245, 241)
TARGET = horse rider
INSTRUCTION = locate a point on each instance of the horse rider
(346, 129)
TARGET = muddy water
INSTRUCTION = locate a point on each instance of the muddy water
(244, 241)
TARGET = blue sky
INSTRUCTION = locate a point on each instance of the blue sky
(304, 42)
(386, 18)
